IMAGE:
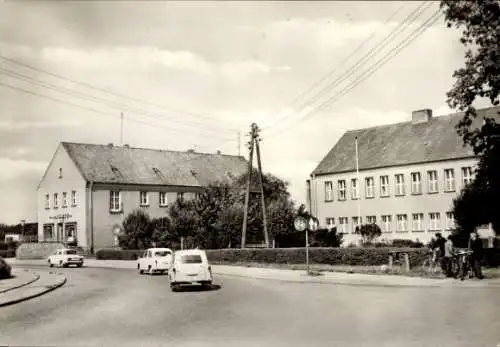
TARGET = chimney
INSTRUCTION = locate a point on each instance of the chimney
(110, 145)
(190, 151)
(126, 145)
(218, 152)
(421, 116)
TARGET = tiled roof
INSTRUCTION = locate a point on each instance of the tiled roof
(127, 165)
(401, 144)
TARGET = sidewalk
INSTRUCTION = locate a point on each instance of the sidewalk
(338, 278)
(28, 285)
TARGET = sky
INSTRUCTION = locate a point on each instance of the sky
(198, 74)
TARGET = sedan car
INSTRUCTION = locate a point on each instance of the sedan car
(190, 267)
(5, 269)
(65, 257)
(155, 260)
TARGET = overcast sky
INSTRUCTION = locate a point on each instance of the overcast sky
(194, 74)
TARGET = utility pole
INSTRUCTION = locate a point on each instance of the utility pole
(254, 142)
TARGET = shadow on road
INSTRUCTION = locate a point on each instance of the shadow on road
(196, 288)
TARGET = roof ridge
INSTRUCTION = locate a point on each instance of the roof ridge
(150, 149)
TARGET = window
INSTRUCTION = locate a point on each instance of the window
(450, 221)
(56, 200)
(328, 191)
(342, 189)
(416, 183)
(73, 198)
(354, 188)
(418, 222)
(371, 220)
(432, 181)
(384, 185)
(434, 221)
(402, 223)
(60, 172)
(115, 198)
(163, 199)
(355, 223)
(180, 196)
(400, 184)
(48, 232)
(64, 199)
(47, 201)
(144, 198)
(386, 224)
(330, 222)
(370, 187)
(449, 180)
(191, 259)
(466, 175)
(343, 223)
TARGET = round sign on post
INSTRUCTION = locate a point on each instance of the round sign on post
(313, 224)
(117, 230)
(300, 223)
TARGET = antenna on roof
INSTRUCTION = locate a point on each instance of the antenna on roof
(121, 129)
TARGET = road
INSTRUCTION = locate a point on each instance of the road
(111, 307)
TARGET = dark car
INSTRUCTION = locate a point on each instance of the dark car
(5, 269)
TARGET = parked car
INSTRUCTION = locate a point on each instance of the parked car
(5, 269)
(65, 257)
(190, 267)
(155, 260)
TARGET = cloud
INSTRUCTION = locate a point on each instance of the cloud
(13, 168)
(140, 57)
(15, 125)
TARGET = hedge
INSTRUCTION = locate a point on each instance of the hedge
(118, 254)
(7, 253)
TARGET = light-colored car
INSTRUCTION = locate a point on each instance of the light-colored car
(65, 257)
(190, 267)
(155, 260)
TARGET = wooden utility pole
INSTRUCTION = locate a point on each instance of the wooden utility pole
(254, 142)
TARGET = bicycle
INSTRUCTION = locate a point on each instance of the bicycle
(461, 265)
(431, 264)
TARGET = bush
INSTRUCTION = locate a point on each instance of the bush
(118, 254)
(330, 256)
(7, 253)
(405, 243)
(5, 269)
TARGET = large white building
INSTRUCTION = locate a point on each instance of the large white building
(409, 173)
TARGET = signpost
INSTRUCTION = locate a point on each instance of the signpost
(302, 224)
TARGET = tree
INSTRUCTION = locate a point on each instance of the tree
(162, 233)
(137, 231)
(369, 232)
(479, 78)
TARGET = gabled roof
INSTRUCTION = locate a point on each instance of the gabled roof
(401, 144)
(128, 165)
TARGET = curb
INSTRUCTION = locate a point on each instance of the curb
(37, 277)
(26, 298)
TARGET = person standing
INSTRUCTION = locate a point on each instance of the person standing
(439, 246)
(476, 246)
(447, 259)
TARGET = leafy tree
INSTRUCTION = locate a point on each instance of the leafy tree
(479, 78)
(162, 233)
(369, 232)
(137, 231)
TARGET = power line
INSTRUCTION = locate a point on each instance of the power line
(370, 54)
(379, 64)
(118, 106)
(360, 46)
(103, 90)
(99, 111)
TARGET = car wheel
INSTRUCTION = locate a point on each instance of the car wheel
(50, 264)
(173, 287)
(139, 269)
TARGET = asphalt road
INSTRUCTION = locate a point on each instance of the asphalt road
(111, 307)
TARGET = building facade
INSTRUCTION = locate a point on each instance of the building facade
(88, 190)
(403, 177)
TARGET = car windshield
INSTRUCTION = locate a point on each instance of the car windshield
(71, 251)
(191, 259)
(161, 253)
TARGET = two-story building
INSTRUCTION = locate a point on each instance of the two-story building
(88, 189)
(403, 177)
